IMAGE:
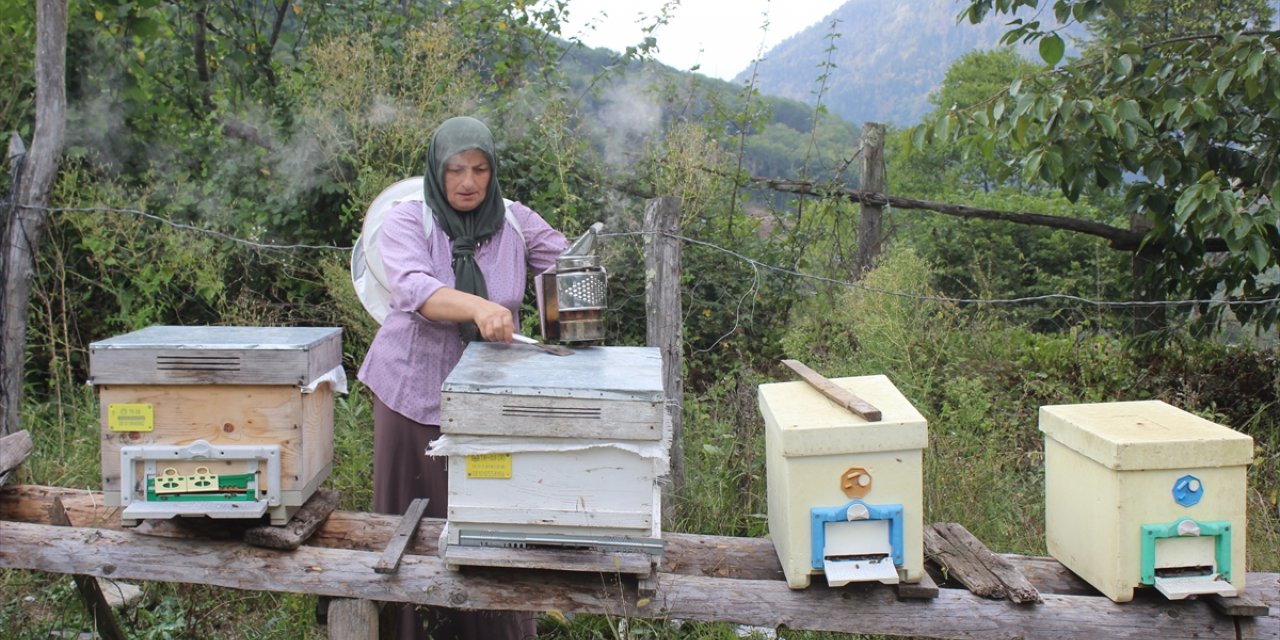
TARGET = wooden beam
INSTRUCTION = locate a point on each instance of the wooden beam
(834, 392)
(15, 448)
(301, 526)
(104, 619)
(424, 580)
(390, 560)
(962, 555)
(686, 554)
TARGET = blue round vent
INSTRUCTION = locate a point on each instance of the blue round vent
(1188, 490)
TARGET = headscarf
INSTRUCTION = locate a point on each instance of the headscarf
(466, 230)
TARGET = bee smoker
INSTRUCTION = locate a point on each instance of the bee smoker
(572, 300)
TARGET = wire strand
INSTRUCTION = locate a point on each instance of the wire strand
(755, 264)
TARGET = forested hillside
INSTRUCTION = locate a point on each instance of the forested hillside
(877, 61)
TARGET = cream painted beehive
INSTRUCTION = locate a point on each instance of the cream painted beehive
(223, 422)
(550, 451)
(845, 494)
(1144, 493)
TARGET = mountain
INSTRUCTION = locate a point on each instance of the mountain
(888, 57)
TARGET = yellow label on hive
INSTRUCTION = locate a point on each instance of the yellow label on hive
(131, 417)
(489, 465)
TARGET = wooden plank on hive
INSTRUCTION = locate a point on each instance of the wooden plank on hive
(834, 392)
(985, 574)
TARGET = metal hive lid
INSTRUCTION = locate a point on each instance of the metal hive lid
(211, 337)
(216, 355)
(621, 373)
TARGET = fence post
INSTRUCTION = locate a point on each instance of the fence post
(869, 223)
(27, 217)
(351, 619)
(664, 318)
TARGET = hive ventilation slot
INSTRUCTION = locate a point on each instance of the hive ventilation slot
(198, 363)
(521, 411)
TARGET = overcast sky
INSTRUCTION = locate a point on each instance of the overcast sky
(723, 37)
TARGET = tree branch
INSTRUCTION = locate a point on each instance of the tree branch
(1118, 238)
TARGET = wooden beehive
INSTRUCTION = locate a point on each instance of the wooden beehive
(542, 446)
(216, 404)
(841, 487)
(1146, 494)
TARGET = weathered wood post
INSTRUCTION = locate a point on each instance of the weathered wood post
(664, 317)
(351, 619)
(869, 224)
(27, 217)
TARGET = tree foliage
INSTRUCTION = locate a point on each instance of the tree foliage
(1186, 127)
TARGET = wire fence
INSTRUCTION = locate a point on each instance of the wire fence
(755, 264)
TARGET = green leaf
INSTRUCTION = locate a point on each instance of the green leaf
(1255, 63)
(918, 137)
(1224, 81)
(1128, 110)
(1108, 175)
(1053, 164)
(1020, 129)
(1186, 204)
(1051, 49)
(1129, 135)
(1122, 66)
(1259, 253)
(1031, 169)
(1107, 123)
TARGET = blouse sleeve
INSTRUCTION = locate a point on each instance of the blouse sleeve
(543, 244)
(407, 257)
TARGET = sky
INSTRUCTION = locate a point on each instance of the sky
(721, 37)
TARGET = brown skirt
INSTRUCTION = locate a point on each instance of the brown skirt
(402, 472)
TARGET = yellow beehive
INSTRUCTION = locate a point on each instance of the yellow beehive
(223, 422)
(845, 494)
(1143, 493)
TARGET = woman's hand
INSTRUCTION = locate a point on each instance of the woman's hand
(450, 305)
(494, 321)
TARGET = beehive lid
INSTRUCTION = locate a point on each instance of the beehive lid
(809, 424)
(1150, 434)
(216, 355)
(607, 373)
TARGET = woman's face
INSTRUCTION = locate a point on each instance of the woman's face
(466, 179)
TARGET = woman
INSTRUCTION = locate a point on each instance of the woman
(463, 281)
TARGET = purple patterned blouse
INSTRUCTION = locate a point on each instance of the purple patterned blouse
(411, 355)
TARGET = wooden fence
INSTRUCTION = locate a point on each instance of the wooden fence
(705, 578)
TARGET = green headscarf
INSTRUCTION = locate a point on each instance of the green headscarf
(466, 230)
